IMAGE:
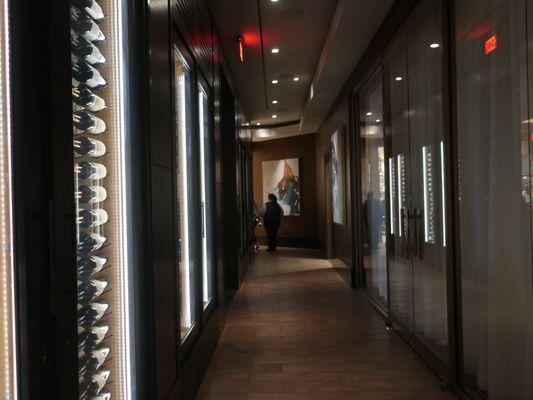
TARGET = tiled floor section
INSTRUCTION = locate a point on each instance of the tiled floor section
(295, 331)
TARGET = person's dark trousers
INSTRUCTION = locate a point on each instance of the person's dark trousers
(272, 234)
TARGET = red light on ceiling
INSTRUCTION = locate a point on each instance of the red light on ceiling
(491, 44)
(241, 49)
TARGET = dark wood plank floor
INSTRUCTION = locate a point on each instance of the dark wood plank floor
(296, 331)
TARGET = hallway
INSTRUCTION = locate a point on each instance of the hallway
(297, 331)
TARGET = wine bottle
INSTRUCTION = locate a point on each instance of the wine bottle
(86, 51)
(83, 73)
(90, 338)
(91, 7)
(91, 194)
(88, 266)
(84, 99)
(102, 396)
(93, 361)
(90, 313)
(92, 386)
(89, 242)
(90, 170)
(90, 290)
(92, 218)
(88, 147)
(89, 30)
(87, 123)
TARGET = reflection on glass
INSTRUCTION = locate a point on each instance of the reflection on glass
(373, 189)
(182, 76)
(443, 193)
(429, 206)
(206, 197)
(392, 194)
(494, 120)
(401, 194)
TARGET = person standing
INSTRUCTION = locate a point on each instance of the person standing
(271, 214)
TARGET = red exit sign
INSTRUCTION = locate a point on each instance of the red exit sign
(491, 44)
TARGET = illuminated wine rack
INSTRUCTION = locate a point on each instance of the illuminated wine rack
(8, 360)
(100, 199)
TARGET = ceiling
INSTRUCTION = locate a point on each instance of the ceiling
(320, 42)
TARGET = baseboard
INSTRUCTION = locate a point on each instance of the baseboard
(284, 241)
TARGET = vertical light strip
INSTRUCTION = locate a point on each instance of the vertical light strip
(8, 262)
(425, 178)
(123, 248)
(443, 193)
(201, 98)
(391, 195)
(400, 193)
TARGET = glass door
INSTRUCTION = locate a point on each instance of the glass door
(101, 179)
(373, 185)
(494, 155)
(206, 193)
(8, 347)
(417, 258)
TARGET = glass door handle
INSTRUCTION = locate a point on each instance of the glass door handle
(405, 244)
(418, 249)
(202, 210)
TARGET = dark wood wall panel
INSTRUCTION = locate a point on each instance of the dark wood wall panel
(194, 22)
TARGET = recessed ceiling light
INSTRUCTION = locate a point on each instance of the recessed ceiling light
(369, 113)
(274, 1)
(378, 121)
(434, 45)
(296, 78)
(275, 50)
(274, 116)
(275, 82)
(398, 78)
(258, 124)
(274, 102)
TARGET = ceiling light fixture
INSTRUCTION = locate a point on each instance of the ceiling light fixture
(275, 50)
(274, 1)
(274, 102)
(434, 45)
(296, 78)
(398, 78)
(274, 116)
(369, 113)
(258, 124)
(275, 82)
(378, 121)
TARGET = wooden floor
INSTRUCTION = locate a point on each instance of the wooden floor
(296, 331)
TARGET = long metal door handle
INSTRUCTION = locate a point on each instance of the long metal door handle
(418, 231)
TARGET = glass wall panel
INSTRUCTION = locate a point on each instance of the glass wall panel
(373, 188)
(494, 156)
(426, 126)
(415, 125)
(184, 193)
(206, 193)
(397, 126)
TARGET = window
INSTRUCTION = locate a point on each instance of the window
(184, 193)
(206, 193)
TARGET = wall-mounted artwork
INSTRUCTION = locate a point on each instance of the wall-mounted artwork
(282, 178)
(337, 170)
